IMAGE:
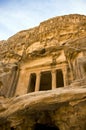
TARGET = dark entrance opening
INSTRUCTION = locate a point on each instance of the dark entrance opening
(32, 83)
(46, 81)
(12, 128)
(59, 78)
(45, 127)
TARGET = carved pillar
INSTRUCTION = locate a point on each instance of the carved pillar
(38, 76)
(29, 80)
(65, 78)
(80, 67)
(53, 79)
(12, 82)
(14, 85)
(22, 85)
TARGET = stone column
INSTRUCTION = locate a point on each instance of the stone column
(65, 78)
(22, 85)
(53, 79)
(29, 80)
(37, 86)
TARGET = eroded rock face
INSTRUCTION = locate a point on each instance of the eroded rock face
(53, 32)
(63, 108)
(50, 61)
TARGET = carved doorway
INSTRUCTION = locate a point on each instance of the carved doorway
(46, 81)
(59, 78)
(12, 128)
(45, 127)
(32, 83)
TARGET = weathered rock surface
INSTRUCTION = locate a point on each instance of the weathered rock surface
(63, 107)
(56, 46)
(51, 33)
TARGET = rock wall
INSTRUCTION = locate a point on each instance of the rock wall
(58, 43)
(63, 108)
(53, 32)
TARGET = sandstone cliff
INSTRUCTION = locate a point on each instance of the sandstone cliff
(59, 42)
(56, 32)
(64, 108)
